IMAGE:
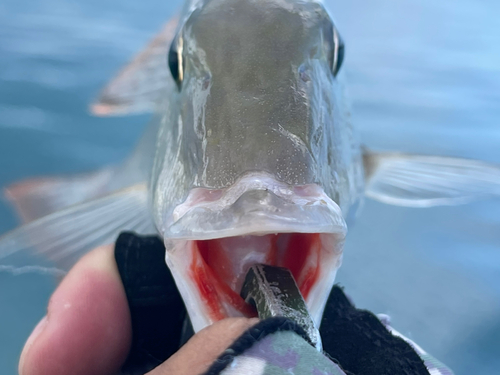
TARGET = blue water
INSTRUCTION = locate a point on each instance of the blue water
(424, 77)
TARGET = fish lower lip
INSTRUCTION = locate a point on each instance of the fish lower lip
(215, 236)
(210, 273)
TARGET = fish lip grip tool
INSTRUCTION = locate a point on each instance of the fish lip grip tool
(274, 292)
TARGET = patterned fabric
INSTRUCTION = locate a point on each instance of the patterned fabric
(282, 353)
(286, 353)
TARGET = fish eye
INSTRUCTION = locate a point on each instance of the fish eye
(175, 61)
(338, 52)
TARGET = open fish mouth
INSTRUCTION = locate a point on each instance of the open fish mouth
(215, 236)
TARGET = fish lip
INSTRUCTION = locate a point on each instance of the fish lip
(259, 205)
(256, 204)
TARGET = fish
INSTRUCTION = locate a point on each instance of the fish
(252, 158)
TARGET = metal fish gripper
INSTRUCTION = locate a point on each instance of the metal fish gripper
(274, 292)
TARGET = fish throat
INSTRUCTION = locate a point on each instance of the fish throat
(219, 267)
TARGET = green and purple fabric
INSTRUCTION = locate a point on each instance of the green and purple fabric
(286, 352)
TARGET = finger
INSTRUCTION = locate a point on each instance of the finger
(205, 347)
(87, 329)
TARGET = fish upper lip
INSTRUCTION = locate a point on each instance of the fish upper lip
(256, 204)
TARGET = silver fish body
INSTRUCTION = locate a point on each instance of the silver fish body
(255, 140)
(254, 159)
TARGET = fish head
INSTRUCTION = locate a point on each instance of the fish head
(256, 161)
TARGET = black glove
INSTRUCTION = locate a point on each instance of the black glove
(354, 339)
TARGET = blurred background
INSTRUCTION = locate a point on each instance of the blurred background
(424, 77)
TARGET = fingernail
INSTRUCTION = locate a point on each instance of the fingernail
(31, 340)
(254, 321)
(102, 259)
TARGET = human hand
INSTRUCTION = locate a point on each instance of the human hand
(88, 330)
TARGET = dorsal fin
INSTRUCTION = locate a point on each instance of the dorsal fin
(140, 85)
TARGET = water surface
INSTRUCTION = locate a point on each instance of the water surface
(424, 77)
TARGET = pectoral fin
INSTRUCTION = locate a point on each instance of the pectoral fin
(139, 87)
(425, 181)
(63, 237)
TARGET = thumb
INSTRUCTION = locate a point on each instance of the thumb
(205, 347)
(87, 329)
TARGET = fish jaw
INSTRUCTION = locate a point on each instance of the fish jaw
(214, 238)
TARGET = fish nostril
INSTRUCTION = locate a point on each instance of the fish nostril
(206, 82)
(304, 74)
